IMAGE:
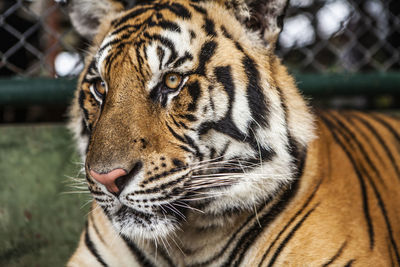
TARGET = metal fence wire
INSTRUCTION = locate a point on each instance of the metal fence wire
(319, 36)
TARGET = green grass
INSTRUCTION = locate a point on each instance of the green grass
(40, 223)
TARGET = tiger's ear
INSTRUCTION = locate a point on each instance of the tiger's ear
(86, 15)
(264, 16)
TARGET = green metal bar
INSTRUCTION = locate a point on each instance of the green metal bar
(349, 84)
(45, 91)
(36, 91)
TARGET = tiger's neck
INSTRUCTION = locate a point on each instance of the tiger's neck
(208, 239)
(206, 236)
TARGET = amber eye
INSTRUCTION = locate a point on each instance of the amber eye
(172, 80)
(99, 88)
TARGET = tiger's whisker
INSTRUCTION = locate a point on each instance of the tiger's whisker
(184, 205)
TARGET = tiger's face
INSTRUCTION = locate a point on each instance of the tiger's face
(178, 108)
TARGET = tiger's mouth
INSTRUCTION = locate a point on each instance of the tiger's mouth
(133, 223)
(172, 210)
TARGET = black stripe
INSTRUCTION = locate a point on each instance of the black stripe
(389, 127)
(178, 163)
(100, 200)
(212, 153)
(183, 59)
(165, 25)
(166, 257)
(212, 105)
(225, 247)
(192, 144)
(370, 228)
(255, 96)
(349, 263)
(224, 77)
(353, 120)
(289, 236)
(195, 92)
(95, 226)
(113, 42)
(192, 35)
(85, 130)
(206, 52)
(382, 207)
(186, 149)
(139, 58)
(199, 9)
(159, 188)
(305, 205)
(223, 151)
(95, 192)
(127, 3)
(188, 117)
(140, 257)
(174, 121)
(229, 36)
(381, 142)
(132, 14)
(163, 174)
(181, 123)
(209, 27)
(337, 255)
(92, 248)
(350, 135)
(155, 93)
(390, 252)
(160, 54)
(113, 56)
(81, 101)
(130, 28)
(293, 146)
(177, 136)
(92, 69)
(179, 10)
(226, 33)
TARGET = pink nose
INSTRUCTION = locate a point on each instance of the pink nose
(108, 179)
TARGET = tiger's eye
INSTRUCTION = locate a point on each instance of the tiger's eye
(99, 88)
(172, 80)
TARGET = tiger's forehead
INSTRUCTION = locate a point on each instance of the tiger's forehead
(159, 34)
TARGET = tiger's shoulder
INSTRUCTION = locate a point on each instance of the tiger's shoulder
(346, 208)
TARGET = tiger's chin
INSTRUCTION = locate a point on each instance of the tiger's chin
(137, 225)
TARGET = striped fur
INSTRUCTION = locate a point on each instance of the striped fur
(225, 170)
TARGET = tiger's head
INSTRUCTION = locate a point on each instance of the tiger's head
(183, 105)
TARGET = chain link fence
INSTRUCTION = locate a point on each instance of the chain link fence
(342, 36)
(319, 36)
(37, 40)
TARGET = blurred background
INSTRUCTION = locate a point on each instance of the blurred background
(344, 54)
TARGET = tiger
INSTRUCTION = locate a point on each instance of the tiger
(199, 150)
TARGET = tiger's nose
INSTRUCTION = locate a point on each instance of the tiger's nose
(109, 179)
